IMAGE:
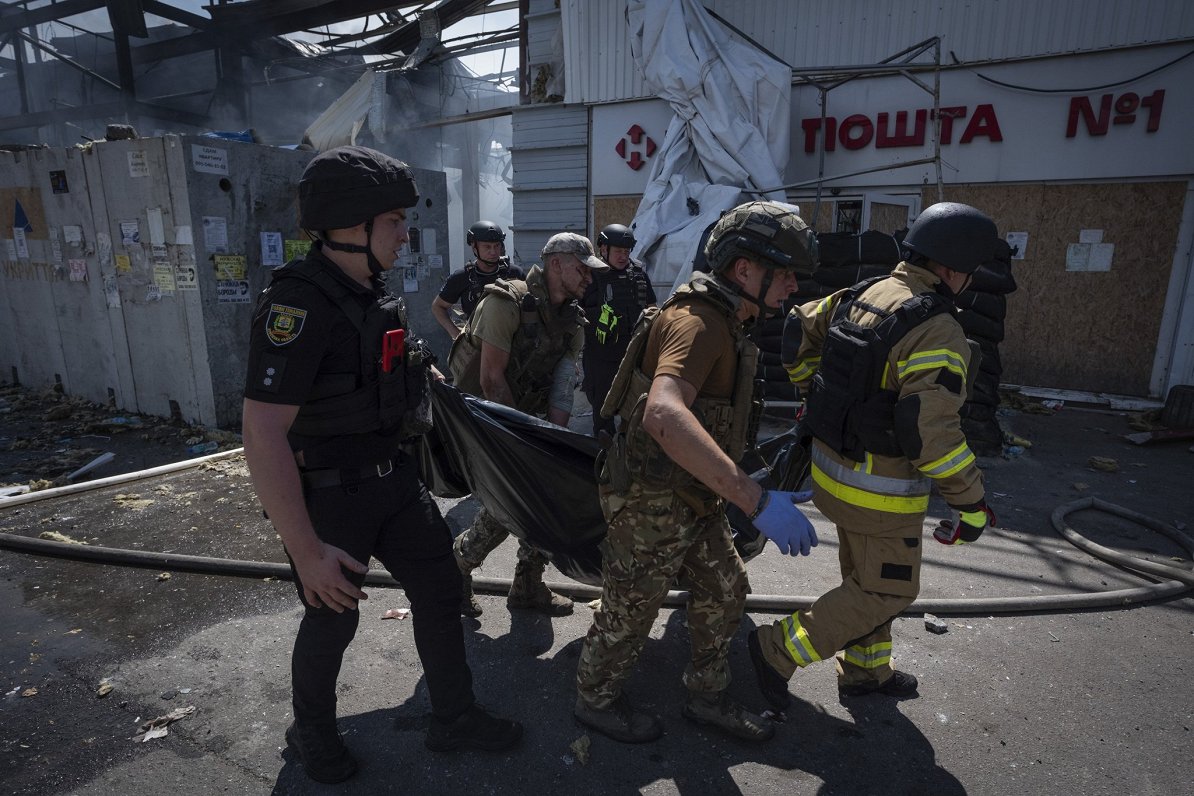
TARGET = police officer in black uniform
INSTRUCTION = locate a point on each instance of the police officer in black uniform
(335, 384)
(467, 285)
(612, 304)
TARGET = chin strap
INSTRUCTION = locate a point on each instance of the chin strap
(353, 248)
(760, 300)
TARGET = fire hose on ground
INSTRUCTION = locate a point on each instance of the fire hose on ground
(1171, 580)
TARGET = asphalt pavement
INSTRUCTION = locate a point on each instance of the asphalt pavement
(1094, 701)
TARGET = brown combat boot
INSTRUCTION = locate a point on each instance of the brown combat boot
(620, 721)
(468, 601)
(529, 591)
(725, 713)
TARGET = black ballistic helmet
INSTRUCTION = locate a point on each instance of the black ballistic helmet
(485, 231)
(958, 236)
(770, 233)
(616, 235)
(350, 185)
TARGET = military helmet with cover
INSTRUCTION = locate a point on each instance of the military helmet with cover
(770, 233)
(351, 185)
(618, 235)
(958, 236)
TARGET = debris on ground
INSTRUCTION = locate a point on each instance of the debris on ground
(163, 576)
(935, 625)
(55, 536)
(29, 692)
(131, 501)
(396, 613)
(580, 748)
(595, 604)
(104, 689)
(1104, 463)
(156, 728)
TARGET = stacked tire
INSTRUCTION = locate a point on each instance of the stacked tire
(982, 309)
(845, 260)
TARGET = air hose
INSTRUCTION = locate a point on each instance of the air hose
(1174, 580)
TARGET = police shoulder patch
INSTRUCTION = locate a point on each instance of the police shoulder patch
(284, 324)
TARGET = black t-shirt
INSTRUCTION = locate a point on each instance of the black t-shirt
(465, 286)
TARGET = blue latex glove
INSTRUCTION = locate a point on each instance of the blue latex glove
(779, 520)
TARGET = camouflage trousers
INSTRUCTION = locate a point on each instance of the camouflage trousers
(483, 537)
(654, 536)
(880, 578)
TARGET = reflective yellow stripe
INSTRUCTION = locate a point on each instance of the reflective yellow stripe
(932, 360)
(804, 369)
(825, 305)
(797, 642)
(976, 518)
(871, 657)
(870, 500)
(950, 463)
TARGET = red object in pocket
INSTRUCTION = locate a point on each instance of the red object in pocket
(393, 347)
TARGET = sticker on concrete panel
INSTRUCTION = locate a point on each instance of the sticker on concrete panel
(159, 254)
(22, 245)
(111, 292)
(182, 236)
(163, 277)
(1090, 236)
(435, 261)
(138, 164)
(78, 270)
(209, 159)
(1077, 257)
(130, 233)
(10, 250)
(55, 248)
(215, 233)
(153, 292)
(1101, 255)
(296, 249)
(230, 267)
(410, 285)
(72, 235)
(271, 249)
(123, 264)
(58, 183)
(103, 248)
(157, 230)
(233, 291)
(1019, 243)
(186, 276)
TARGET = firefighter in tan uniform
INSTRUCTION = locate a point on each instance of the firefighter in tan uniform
(686, 394)
(888, 365)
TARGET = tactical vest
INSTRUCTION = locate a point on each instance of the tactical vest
(477, 282)
(539, 343)
(623, 295)
(732, 423)
(849, 409)
(341, 404)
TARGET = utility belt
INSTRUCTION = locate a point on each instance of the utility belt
(326, 478)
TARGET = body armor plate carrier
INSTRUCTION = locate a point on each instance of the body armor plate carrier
(849, 408)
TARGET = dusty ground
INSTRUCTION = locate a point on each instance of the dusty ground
(1042, 701)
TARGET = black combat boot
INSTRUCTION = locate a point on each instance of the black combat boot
(529, 591)
(325, 757)
(728, 715)
(473, 729)
(619, 721)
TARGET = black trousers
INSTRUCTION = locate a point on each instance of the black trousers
(599, 375)
(394, 519)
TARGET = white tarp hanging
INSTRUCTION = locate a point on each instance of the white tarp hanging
(344, 118)
(730, 132)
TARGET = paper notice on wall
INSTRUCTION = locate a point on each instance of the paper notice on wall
(1077, 257)
(435, 261)
(296, 249)
(123, 264)
(153, 292)
(157, 230)
(232, 291)
(186, 276)
(138, 164)
(78, 270)
(230, 267)
(182, 236)
(72, 235)
(111, 292)
(103, 248)
(1101, 255)
(10, 250)
(159, 254)
(22, 245)
(429, 241)
(130, 233)
(55, 248)
(271, 249)
(209, 159)
(1090, 236)
(410, 285)
(163, 277)
(1019, 243)
(215, 233)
